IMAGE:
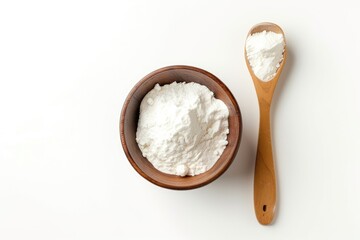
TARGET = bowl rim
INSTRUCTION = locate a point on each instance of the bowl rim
(122, 122)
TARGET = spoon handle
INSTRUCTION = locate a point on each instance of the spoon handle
(264, 179)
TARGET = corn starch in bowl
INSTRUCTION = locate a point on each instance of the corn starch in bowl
(182, 128)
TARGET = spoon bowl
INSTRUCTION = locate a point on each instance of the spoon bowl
(260, 85)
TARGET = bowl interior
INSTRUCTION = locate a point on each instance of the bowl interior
(130, 115)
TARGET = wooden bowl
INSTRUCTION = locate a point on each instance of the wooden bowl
(130, 115)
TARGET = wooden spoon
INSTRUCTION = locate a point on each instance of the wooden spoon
(264, 178)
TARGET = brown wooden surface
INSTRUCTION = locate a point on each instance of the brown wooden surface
(130, 114)
(264, 178)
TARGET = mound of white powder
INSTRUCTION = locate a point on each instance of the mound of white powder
(264, 51)
(182, 128)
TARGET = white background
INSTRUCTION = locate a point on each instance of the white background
(67, 66)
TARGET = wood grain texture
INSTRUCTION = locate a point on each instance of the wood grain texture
(130, 114)
(264, 177)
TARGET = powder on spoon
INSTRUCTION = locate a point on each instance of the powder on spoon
(265, 52)
(182, 128)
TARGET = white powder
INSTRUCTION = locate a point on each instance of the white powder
(265, 52)
(182, 128)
